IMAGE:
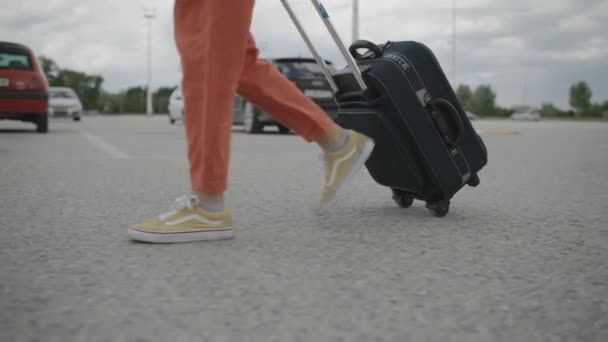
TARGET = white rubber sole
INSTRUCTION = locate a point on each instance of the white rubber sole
(139, 235)
(355, 168)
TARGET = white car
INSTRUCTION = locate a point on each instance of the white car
(526, 115)
(64, 101)
(176, 106)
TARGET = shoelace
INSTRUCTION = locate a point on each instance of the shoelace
(183, 202)
(186, 202)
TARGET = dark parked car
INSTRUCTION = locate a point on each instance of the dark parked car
(23, 86)
(307, 75)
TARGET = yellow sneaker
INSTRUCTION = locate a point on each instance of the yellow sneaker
(186, 222)
(341, 165)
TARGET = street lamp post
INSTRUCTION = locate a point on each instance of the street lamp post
(454, 41)
(149, 14)
(355, 20)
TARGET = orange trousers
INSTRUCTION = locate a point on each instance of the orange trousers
(219, 60)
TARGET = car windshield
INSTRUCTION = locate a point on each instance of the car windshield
(300, 69)
(61, 94)
(522, 110)
(526, 112)
(10, 59)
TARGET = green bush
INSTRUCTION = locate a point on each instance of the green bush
(593, 111)
(548, 110)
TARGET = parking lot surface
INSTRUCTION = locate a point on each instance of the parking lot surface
(523, 257)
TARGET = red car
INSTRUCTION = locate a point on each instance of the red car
(23, 86)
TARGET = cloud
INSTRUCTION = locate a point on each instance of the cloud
(107, 38)
(536, 45)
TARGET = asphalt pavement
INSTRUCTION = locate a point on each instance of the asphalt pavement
(523, 257)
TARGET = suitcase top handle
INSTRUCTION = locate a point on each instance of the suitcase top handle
(374, 51)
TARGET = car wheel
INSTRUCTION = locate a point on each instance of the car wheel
(76, 118)
(171, 121)
(42, 123)
(250, 119)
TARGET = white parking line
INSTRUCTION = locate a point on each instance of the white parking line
(103, 145)
(497, 132)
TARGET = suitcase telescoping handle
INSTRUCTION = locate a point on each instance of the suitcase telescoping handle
(334, 34)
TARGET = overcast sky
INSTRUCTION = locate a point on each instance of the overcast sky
(539, 45)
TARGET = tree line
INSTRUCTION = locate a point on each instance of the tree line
(94, 98)
(480, 101)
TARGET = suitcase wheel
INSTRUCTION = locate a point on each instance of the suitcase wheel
(439, 209)
(402, 199)
(473, 181)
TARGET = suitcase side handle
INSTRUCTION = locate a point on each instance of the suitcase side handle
(374, 49)
(446, 109)
(334, 34)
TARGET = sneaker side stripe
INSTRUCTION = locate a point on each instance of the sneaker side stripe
(334, 170)
(193, 217)
(168, 214)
